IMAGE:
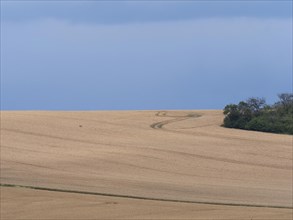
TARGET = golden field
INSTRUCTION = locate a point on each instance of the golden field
(141, 165)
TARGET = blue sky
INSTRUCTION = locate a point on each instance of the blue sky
(120, 55)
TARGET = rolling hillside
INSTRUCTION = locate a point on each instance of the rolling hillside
(141, 164)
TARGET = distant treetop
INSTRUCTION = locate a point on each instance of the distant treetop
(255, 114)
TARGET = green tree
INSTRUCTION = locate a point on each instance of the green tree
(255, 114)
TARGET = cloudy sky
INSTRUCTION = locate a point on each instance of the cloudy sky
(99, 55)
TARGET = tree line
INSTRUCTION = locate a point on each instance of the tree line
(254, 114)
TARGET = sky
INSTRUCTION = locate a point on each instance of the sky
(143, 55)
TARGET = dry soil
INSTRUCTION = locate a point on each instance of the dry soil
(141, 165)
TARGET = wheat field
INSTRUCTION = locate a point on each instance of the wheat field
(141, 165)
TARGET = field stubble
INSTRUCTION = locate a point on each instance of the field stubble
(141, 164)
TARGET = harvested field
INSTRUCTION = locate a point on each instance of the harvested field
(141, 165)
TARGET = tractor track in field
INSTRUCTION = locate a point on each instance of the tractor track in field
(161, 124)
(144, 198)
(192, 115)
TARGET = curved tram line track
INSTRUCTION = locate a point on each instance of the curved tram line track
(161, 124)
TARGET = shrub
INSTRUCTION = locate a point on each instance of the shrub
(254, 114)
